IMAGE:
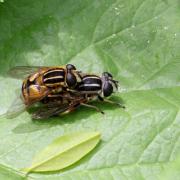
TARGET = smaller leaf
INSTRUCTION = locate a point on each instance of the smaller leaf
(64, 151)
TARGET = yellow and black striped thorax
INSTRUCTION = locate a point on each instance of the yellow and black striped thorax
(90, 83)
(54, 77)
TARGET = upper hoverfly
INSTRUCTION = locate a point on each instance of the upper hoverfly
(39, 81)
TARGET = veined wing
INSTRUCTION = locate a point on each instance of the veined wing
(55, 109)
(46, 112)
(21, 72)
(16, 108)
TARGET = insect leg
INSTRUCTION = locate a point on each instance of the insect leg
(70, 109)
(111, 102)
(116, 103)
(94, 107)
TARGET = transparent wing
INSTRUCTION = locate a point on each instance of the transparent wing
(18, 105)
(54, 109)
(16, 108)
(21, 72)
(46, 112)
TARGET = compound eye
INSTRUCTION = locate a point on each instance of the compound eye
(71, 80)
(108, 75)
(70, 67)
(107, 89)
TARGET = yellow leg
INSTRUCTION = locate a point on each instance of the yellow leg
(94, 107)
(116, 103)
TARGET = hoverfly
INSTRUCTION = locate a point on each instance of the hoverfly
(90, 88)
(41, 81)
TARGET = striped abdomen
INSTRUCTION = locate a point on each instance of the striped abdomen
(90, 83)
(54, 77)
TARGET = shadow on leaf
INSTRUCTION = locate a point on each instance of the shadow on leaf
(79, 114)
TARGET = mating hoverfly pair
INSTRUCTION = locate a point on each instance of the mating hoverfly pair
(60, 89)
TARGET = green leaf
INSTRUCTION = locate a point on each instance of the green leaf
(172, 171)
(9, 174)
(64, 151)
(138, 42)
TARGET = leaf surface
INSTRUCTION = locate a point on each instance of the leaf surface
(138, 42)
